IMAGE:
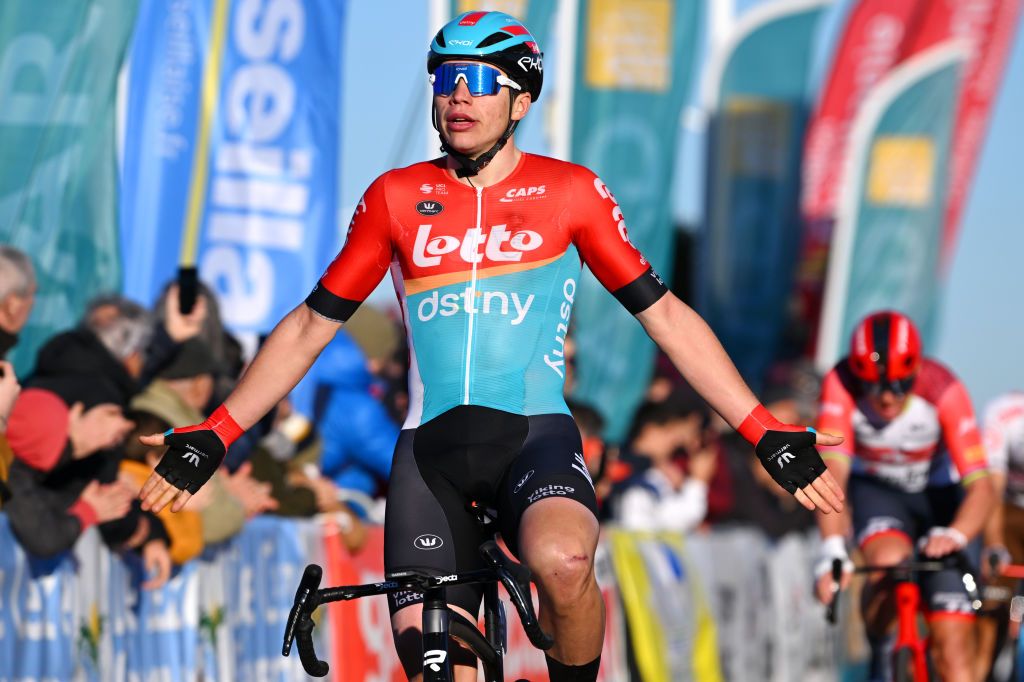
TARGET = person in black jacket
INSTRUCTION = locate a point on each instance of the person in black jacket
(65, 430)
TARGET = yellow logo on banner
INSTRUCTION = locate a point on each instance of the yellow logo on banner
(901, 172)
(516, 8)
(629, 45)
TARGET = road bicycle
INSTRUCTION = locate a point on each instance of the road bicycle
(910, 662)
(440, 623)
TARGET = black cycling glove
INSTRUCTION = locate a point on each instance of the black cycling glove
(787, 452)
(196, 452)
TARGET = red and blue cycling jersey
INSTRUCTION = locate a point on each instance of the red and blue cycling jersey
(486, 277)
(934, 441)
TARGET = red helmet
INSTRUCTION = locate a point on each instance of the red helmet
(885, 352)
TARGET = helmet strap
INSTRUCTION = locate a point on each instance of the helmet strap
(468, 166)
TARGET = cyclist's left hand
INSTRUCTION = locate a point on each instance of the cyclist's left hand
(942, 541)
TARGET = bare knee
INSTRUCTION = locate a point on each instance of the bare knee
(563, 569)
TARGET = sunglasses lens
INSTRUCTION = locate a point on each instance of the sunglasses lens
(480, 79)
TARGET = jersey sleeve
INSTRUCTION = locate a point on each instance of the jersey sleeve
(960, 433)
(835, 416)
(599, 233)
(363, 261)
(997, 445)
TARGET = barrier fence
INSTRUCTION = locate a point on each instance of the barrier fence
(726, 605)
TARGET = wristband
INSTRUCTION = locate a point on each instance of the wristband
(952, 533)
(220, 422)
(833, 547)
(759, 422)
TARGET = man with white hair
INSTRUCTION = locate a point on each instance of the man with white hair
(17, 294)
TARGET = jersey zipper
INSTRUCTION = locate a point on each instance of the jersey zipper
(471, 304)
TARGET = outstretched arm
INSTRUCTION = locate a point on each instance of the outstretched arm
(698, 355)
(283, 360)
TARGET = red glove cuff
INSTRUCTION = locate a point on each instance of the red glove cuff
(85, 514)
(759, 421)
(221, 423)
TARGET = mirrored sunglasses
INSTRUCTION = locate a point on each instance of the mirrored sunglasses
(481, 79)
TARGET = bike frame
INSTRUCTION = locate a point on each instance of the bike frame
(908, 604)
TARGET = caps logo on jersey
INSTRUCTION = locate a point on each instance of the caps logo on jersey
(530, 193)
(429, 208)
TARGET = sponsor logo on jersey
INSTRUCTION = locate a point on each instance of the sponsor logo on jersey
(620, 222)
(426, 189)
(427, 250)
(522, 482)
(485, 303)
(525, 193)
(429, 207)
(428, 542)
(556, 358)
(552, 490)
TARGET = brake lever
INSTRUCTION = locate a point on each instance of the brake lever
(837, 576)
(516, 579)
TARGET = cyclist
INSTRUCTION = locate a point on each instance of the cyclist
(916, 475)
(485, 247)
(1004, 532)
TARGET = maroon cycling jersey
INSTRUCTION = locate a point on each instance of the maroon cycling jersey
(935, 440)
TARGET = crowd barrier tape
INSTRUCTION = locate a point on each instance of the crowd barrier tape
(724, 605)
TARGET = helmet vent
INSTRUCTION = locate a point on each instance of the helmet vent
(494, 39)
(439, 38)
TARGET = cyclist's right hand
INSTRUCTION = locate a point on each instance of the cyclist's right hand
(832, 548)
(195, 453)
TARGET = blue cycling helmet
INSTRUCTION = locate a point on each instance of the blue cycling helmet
(493, 37)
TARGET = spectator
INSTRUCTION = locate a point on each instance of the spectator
(358, 436)
(178, 396)
(299, 493)
(64, 479)
(661, 496)
(64, 429)
(17, 295)
(110, 343)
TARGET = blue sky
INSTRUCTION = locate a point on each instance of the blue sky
(385, 123)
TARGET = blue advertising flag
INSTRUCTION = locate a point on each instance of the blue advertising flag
(231, 151)
(751, 237)
(634, 66)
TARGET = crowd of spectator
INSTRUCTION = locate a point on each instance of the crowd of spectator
(71, 455)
